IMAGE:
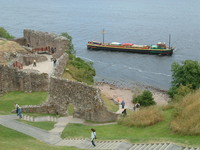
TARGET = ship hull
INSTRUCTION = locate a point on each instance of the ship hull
(167, 52)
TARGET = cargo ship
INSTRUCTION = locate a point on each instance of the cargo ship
(158, 49)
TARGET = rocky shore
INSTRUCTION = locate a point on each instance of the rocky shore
(127, 94)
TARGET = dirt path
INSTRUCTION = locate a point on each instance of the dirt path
(42, 67)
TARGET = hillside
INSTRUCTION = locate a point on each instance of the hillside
(9, 50)
(187, 120)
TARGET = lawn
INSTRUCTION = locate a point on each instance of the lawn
(13, 140)
(7, 100)
(156, 133)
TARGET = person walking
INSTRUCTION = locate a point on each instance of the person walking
(123, 104)
(54, 62)
(93, 136)
(34, 63)
(20, 112)
(16, 108)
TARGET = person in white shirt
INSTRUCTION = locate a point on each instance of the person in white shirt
(93, 136)
(16, 108)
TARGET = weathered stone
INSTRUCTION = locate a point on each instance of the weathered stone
(37, 39)
(12, 79)
(86, 99)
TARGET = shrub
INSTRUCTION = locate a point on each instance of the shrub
(145, 117)
(145, 99)
(187, 121)
(5, 34)
(178, 93)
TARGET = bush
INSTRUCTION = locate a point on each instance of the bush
(145, 117)
(145, 99)
(178, 93)
(187, 121)
(5, 34)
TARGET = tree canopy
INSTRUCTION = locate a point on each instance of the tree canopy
(185, 78)
(188, 72)
(145, 99)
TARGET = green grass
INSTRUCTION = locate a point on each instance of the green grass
(70, 109)
(46, 125)
(13, 140)
(156, 133)
(7, 100)
(110, 105)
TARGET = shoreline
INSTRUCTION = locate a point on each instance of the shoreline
(113, 91)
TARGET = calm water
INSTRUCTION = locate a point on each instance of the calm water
(139, 22)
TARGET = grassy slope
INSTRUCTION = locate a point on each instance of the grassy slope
(7, 101)
(13, 140)
(156, 133)
(111, 106)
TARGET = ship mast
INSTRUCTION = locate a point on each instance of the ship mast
(103, 32)
(169, 40)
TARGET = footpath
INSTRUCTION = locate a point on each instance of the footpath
(52, 137)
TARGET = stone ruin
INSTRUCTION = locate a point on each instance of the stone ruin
(86, 99)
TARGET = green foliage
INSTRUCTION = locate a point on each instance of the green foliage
(145, 99)
(5, 34)
(186, 73)
(78, 69)
(70, 46)
(185, 77)
(178, 93)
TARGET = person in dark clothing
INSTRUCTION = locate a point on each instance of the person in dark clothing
(54, 61)
(124, 113)
(123, 104)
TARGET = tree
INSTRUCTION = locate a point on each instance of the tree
(5, 34)
(145, 99)
(186, 74)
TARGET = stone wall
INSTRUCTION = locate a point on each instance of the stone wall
(37, 39)
(60, 65)
(86, 100)
(11, 79)
(28, 59)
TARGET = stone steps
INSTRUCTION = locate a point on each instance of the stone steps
(160, 146)
(39, 119)
(120, 145)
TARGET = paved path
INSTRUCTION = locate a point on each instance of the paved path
(42, 67)
(53, 137)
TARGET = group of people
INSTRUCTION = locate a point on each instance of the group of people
(124, 113)
(18, 110)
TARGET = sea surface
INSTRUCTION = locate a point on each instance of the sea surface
(138, 22)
